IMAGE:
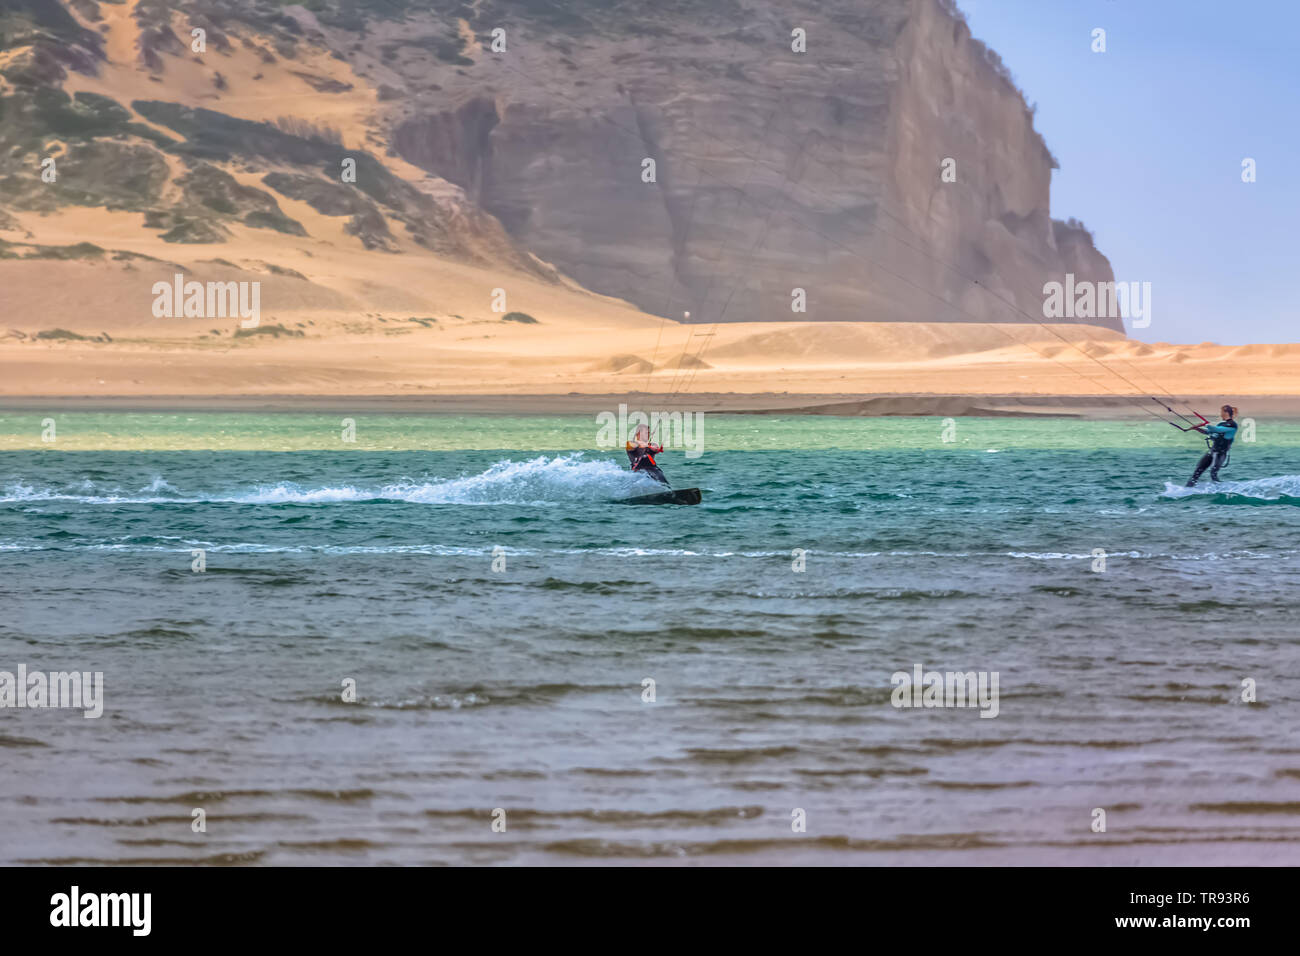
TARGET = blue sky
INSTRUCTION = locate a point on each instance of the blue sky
(1150, 136)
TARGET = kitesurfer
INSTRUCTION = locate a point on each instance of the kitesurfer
(641, 452)
(1219, 438)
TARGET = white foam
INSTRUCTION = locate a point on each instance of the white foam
(1263, 489)
(563, 478)
(538, 480)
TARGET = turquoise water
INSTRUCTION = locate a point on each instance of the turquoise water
(210, 431)
(499, 617)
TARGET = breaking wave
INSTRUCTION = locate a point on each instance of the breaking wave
(543, 479)
(1277, 490)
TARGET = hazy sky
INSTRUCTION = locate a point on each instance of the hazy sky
(1151, 135)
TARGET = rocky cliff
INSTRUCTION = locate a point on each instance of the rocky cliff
(775, 170)
(504, 131)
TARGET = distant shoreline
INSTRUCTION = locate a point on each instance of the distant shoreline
(1084, 407)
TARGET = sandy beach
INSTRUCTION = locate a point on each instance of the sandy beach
(84, 330)
(332, 327)
(1084, 407)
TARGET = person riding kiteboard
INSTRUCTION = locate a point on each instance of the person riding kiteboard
(641, 452)
(1219, 439)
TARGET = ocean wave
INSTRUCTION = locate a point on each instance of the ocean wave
(540, 480)
(87, 492)
(1278, 489)
(563, 478)
(181, 545)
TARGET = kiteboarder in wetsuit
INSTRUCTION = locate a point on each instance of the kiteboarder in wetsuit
(641, 454)
(1219, 437)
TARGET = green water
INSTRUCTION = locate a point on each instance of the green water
(108, 431)
(499, 617)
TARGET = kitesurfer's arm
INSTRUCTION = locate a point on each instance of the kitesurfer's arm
(1227, 431)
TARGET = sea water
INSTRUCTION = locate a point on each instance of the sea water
(441, 643)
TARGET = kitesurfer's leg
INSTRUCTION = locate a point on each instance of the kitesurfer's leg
(1214, 468)
(1200, 468)
(654, 472)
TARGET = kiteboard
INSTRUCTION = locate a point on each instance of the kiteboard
(674, 496)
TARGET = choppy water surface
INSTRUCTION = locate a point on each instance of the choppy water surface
(522, 688)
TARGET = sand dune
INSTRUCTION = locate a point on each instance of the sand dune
(886, 342)
(332, 324)
(328, 335)
(622, 363)
(255, 84)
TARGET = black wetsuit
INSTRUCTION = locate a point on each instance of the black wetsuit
(1220, 436)
(642, 460)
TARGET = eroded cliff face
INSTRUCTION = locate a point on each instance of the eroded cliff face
(775, 170)
(954, 99)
